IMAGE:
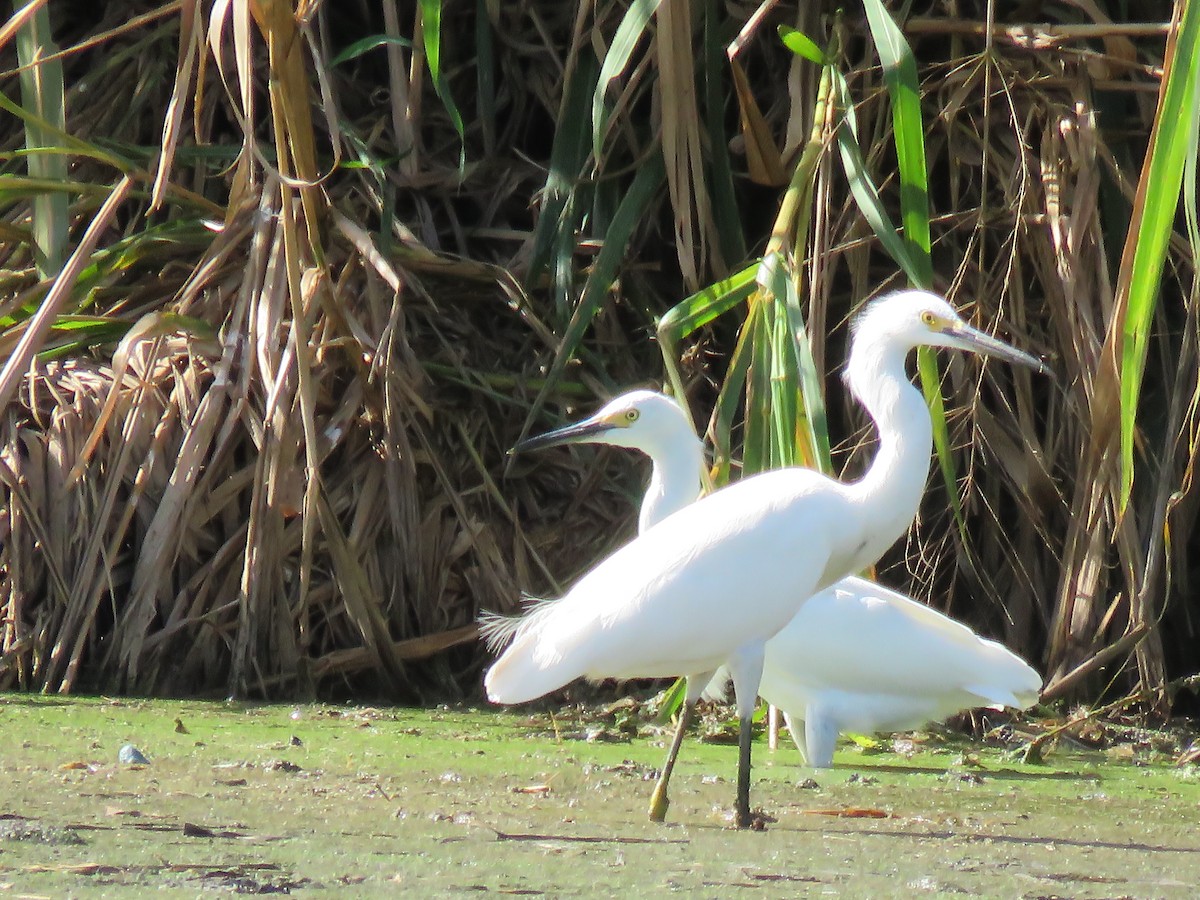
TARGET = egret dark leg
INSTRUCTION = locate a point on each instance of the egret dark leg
(742, 817)
(746, 668)
(659, 801)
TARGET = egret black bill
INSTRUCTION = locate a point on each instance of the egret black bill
(569, 434)
(969, 338)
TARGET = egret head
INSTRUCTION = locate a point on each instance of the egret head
(641, 420)
(914, 318)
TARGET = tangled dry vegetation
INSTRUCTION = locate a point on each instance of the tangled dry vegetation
(261, 445)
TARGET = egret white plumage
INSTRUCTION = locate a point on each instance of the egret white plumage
(857, 656)
(665, 603)
(908, 665)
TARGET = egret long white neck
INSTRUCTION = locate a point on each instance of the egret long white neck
(893, 485)
(675, 479)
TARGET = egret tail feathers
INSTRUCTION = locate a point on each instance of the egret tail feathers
(1017, 696)
(1012, 682)
(498, 631)
(527, 669)
(997, 698)
(517, 678)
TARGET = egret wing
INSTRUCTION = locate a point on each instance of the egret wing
(861, 637)
(674, 601)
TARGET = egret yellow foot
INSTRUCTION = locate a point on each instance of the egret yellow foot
(659, 803)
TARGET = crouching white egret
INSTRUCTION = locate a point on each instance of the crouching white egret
(910, 665)
(857, 656)
(709, 585)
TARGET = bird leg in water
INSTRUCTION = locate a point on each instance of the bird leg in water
(659, 801)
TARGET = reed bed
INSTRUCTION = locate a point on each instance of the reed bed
(281, 283)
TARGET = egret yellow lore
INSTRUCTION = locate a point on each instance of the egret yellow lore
(709, 585)
(858, 656)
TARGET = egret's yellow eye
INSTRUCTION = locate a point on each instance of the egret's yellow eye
(631, 416)
(929, 318)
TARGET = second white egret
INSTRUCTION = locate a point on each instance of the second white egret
(666, 604)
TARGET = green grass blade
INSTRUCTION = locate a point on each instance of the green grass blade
(702, 307)
(672, 699)
(624, 42)
(366, 45)
(727, 403)
(908, 132)
(554, 234)
(724, 198)
(786, 415)
(629, 214)
(695, 312)
(795, 210)
(912, 250)
(863, 189)
(42, 94)
(931, 387)
(642, 190)
(810, 432)
(485, 76)
(1172, 143)
(904, 89)
(784, 420)
(802, 45)
(431, 33)
(1191, 194)
(756, 446)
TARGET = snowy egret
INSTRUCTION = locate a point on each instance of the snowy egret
(857, 656)
(650, 422)
(665, 604)
(863, 658)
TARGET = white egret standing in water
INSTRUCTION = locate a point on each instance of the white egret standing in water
(858, 656)
(709, 585)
